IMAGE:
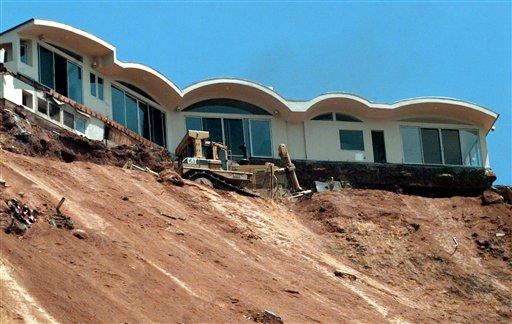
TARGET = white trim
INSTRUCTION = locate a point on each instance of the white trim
(287, 109)
(440, 135)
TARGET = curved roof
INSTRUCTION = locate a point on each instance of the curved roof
(239, 89)
(295, 111)
(153, 82)
(171, 97)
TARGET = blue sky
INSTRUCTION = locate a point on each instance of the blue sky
(382, 51)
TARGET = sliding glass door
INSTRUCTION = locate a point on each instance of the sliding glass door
(74, 82)
(243, 136)
(60, 74)
(234, 133)
(440, 146)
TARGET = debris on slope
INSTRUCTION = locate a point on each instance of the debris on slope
(455, 246)
(24, 133)
(17, 218)
(60, 220)
(158, 253)
(171, 176)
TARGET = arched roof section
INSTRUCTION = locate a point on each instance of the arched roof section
(447, 108)
(168, 95)
(237, 89)
(104, 57)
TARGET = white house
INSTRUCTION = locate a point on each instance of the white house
(250, 118)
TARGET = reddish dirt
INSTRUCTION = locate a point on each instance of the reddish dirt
(24, 133)
(162, 253)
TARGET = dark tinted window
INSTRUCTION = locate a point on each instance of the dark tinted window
(54, 112)
(470, 147)
(451, 146)
(193, 123)
(75, 82)
(69, 119)
(351, 140)
(118, 113)
(42, 106)
(347, 118)
(158, 125)
(100, 88)
(431, 146)
(144, 120)
(327, 116)
(131, 114)
(61, 75)
(46, 67)
(92, 84)
(80, 125)
(411, 144)
(227, 106)
(234, 133)
(214, 126)
(379, 147)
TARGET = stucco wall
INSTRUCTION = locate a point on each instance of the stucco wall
(311, 140)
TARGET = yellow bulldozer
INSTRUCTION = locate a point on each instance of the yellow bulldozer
(208, 163)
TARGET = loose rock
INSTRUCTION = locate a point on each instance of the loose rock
(343, 274)
(269, 317)
(490, 197)
(169, 175)
(81, 234)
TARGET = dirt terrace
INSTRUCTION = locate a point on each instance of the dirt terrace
(160, 253)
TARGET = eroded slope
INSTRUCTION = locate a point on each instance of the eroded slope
(159, 253)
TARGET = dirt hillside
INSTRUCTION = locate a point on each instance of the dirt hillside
(154, 252)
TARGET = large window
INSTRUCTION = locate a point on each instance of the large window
(351, 140)
(214, 126)
(451, 146)
(261, 142)
(74, 82)
(243, 136)
(470, 147)
(440, 146)
(234, 134)
(411, 145)
(252, 136)
(138, 116)
(431, 146)
(60, 74)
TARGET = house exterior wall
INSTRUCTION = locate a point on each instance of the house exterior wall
(13, 88)
(306, 139)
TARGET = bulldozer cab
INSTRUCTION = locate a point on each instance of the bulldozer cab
(206, 162)
(196, 148)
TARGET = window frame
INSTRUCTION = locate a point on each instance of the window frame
(270, 133)
(93, 84)
(440, 129)
(25, 47)
(67, 57)
(351, 130)
(334, 115)
(150, 103)
(248, 141)
(75, 117)
(98, 94)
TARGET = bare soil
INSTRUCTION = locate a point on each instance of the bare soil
(24, 133)
(151, 251)
(155, 252)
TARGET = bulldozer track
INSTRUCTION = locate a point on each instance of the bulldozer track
(218, 183)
